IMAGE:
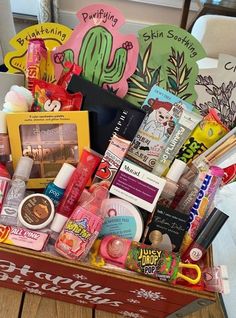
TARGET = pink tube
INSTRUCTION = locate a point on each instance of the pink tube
(88, 163)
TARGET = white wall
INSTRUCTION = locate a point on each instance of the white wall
(136, 12)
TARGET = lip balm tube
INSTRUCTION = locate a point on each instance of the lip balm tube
(205, 236)
(201, 205)
(143, 259)
(184, 127)
(88, 163)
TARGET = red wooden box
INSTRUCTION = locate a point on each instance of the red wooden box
(114, 291)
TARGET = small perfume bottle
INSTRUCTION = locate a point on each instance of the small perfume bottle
(16, 191)
(56, 189)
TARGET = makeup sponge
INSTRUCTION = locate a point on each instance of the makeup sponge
(18, 99)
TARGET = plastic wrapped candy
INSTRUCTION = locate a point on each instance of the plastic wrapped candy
(51, 97)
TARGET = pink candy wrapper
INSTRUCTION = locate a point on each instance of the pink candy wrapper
(22, 237)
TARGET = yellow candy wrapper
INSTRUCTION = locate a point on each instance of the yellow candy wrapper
(207, 132)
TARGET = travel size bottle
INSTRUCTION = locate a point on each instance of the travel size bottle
(56, 189)
(16, 191)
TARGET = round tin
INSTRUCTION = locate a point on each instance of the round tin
(121, 218)
(36, 211)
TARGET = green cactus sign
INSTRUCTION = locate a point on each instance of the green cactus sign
(167, 58)
(107, 57)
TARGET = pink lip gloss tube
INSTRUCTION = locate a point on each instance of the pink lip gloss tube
(88, 163)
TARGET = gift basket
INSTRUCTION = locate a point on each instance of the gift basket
(109, 167)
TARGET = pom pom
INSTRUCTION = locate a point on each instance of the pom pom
(18, 99)
(24, 92)
(15, 102)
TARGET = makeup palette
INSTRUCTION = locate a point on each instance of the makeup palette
(50, 139)
(49, 146)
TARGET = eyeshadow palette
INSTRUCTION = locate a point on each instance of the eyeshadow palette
(50, 139)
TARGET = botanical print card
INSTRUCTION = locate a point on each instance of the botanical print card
(50, 139)
(216, 88)
(168, 57)
(163, 110)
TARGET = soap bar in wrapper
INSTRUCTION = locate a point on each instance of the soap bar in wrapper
(36, 61)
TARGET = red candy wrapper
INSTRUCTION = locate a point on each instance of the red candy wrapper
(36, 61)
(51, 97)
(229, 174)
(65, 78)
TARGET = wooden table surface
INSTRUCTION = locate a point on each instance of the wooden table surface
(14, 304)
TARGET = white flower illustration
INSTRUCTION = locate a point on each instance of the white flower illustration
(148, 294)
(81, 277)
(134, 301)
(129, 314)
(81, 301)
(143, 311)
(34, 291)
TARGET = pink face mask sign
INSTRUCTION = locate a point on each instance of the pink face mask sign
(108, 58)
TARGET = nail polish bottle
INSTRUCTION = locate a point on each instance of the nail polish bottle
(4, 139)
(16, 191)
(56, 189)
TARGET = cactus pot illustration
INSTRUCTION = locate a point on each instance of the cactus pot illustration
(95, 57)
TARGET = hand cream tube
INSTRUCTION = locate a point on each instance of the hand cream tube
(88, 163)
(187, 122)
